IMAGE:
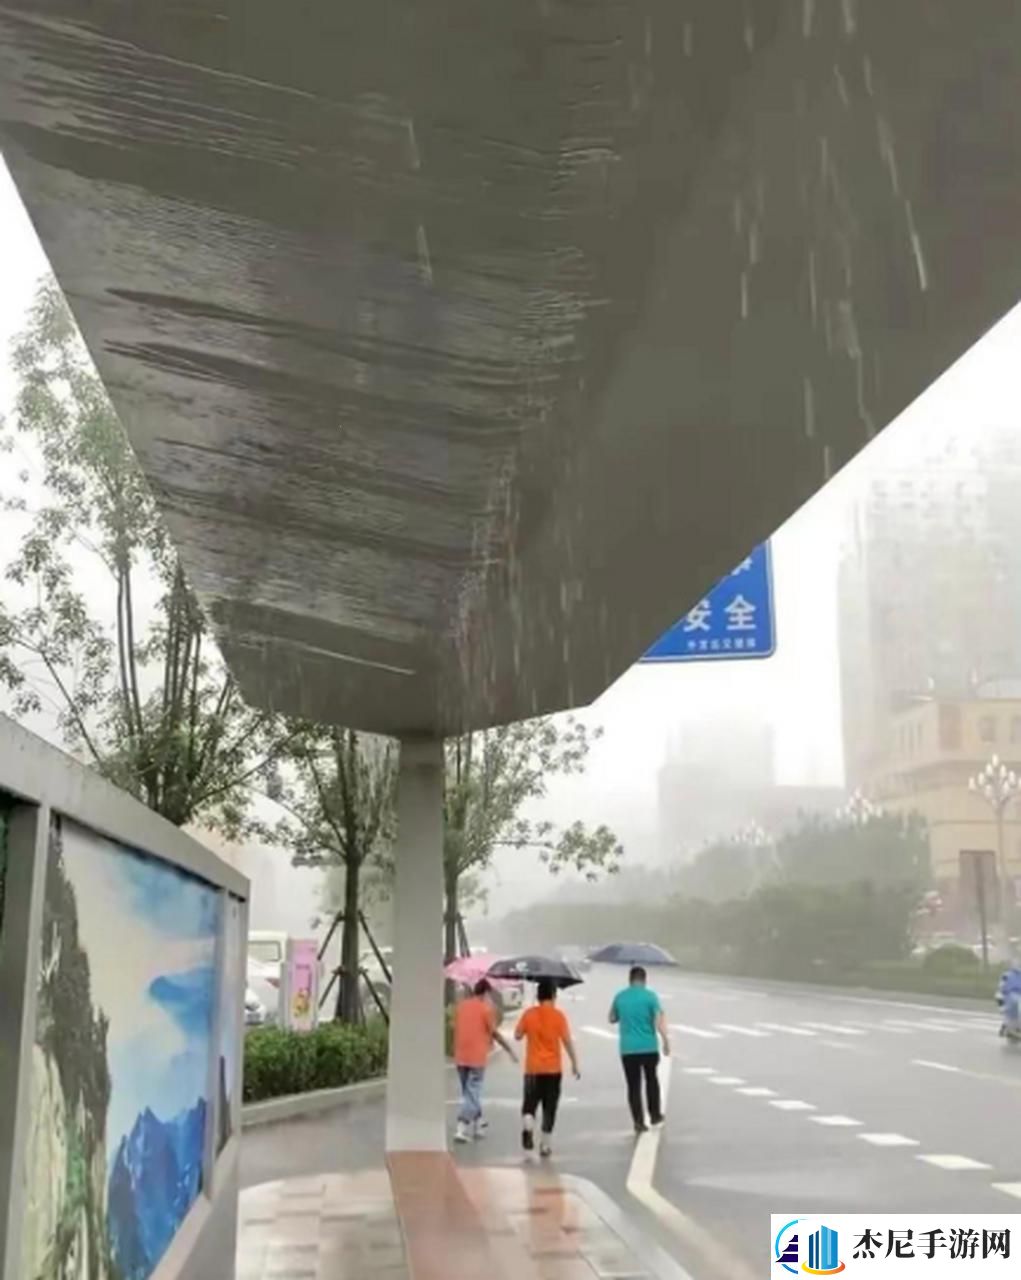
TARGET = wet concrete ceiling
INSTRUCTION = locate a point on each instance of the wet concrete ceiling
(465, 346)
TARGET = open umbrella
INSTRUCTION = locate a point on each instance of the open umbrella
(535, 969)
(632, 953)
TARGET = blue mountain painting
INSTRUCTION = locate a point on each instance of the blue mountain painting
(188, 998)
(154, 1180)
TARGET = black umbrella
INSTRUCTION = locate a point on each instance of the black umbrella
(632, 953)
(535, 968)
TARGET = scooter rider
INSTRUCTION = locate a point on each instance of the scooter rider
(1009, 996)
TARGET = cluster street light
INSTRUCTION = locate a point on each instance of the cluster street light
(998, 786)
(859, 809)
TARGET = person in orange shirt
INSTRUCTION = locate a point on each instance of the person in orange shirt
(547, 1032)
(475, 1030)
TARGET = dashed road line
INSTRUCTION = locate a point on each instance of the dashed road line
(731, 1080)
(1009, 1188)
(792, 1104)
(700, 1032)
(935, 1066)
(954, 1163)
(836, 1122)
(753, 1032)
(699, 1071)
(887, 1139)
(757, 1091)
(601, 1032)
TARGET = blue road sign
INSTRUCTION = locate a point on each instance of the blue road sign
(735, 620)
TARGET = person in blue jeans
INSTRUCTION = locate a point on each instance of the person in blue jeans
(638, 1015)
(475, 1033)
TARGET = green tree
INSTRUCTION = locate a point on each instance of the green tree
(335, 789)
(887, 850)
(150, 704)
(491, 775)
(725, 870)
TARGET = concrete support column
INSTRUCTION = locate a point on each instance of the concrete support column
(416, 1085)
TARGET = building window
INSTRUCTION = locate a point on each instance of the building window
(987, 728)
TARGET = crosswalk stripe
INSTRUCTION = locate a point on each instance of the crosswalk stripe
(836, 1122)
(834, 1028)
(699, 1071)
(726, 1080)
(887, 1139)
(757, 1091)
(954, 1164)
(783, 1029)
(792, 1104)
(601, 1031)
(742, 1031)
(700, 1032)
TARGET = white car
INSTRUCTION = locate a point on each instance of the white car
(255, 1010)
(264, 985)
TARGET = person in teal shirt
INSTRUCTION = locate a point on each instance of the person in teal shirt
(638, 1014)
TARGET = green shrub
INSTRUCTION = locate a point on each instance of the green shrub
(279, 1062)
(951, 959)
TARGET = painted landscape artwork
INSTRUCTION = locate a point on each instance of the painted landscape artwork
(121, 1062)
(231, 1024)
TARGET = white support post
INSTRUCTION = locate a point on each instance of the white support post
(416, 1085)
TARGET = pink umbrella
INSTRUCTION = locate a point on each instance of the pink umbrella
(469, 969)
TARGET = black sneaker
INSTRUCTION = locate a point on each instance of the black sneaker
(641, 1128)
(528, 1139)
(656, 1121)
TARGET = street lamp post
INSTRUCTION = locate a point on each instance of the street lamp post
(998, 786)
(859, 809)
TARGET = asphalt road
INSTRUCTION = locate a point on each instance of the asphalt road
(784, 1100)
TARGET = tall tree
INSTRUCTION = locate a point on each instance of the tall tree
(491, 775)
(147, 701)
(335, 789)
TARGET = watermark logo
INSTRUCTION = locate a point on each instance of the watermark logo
(944, 1245)
(822, 1249)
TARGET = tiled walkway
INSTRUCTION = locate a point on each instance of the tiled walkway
(345, 1227)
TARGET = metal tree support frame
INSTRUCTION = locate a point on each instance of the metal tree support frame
(44, 783)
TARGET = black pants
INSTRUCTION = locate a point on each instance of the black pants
(542, 1091)
(635, 1066)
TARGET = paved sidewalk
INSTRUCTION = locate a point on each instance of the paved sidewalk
(538, 1226)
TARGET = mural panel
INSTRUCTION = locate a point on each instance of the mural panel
(121, 1061)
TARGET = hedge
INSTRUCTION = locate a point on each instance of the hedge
(279, 1062)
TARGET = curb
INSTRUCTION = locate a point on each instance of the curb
(295, 1105)
(647, 1251)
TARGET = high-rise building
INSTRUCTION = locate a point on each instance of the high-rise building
(929, 595)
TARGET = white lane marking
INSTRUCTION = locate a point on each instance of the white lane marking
(726, 1080)
(834, 1028)
(1009, 1188)
(640, 1185)
(836, 1044)
(785, 1030)
(700, 1032)
(600, 1031)
(836, 1122)
(887, 1139)
(699, 1071)
(757, 1091)
(742, 1031)
(954, 1163)
(904, 1025)
(792, 1104)
(935, 1066)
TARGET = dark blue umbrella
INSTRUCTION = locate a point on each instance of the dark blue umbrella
(535, 968)
(643, 953)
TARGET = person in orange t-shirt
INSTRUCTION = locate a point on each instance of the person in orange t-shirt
(547, 1032)
(474, 1033)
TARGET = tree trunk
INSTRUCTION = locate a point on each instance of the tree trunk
(348, 1001)
(450, 919)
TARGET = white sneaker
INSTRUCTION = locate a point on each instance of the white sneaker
(481, 1127)
(546, 1148)
(462, 1134)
